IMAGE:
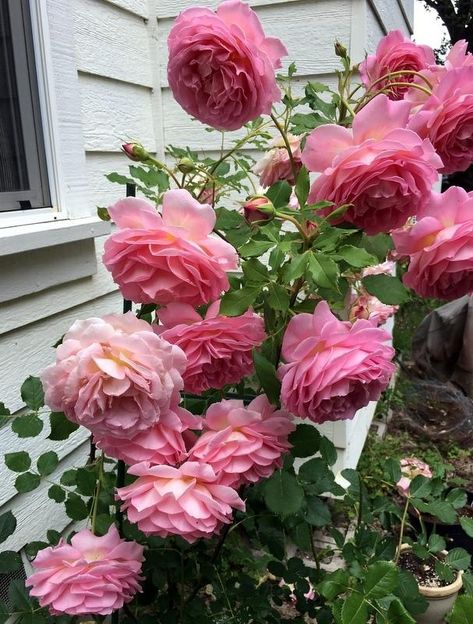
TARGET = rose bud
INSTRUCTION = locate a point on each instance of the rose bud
(135, 152)
(340, 50)
(258, 208)
(186, 165)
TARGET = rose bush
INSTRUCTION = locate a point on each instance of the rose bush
(243, 316)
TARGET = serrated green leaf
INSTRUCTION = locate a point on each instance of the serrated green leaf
(398, 614)
(296, 267)
(318, 513)
(334, 584)
(53, 536)
(467, 525)
(27, 426)
(76, 508)
(266, 373)
(468, 583)
(118, 178)
(354, 610)
(86, 481)
(18, 462)
(356, 256)
(283, 494)
(305, 441)
(323, 270)
(255, 271)
(61, 427)
(151, 178)
(10, 561)
(57, 494)
(68, 477)
(420, 487)
(7, 525)
(302, 186)
(255, 248)
(27, 482)
(387, 288)
(457, 498)
(458, 558)
(436, 543)
(32, 393)
(237, 302)
(462, 611)
(102, 523)
(47, 463)
(328, 451)
(279, 193)
(278, 297)
(18, 596)
(440, 509)
(381, 579)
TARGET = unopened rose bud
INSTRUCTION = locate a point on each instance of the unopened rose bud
(135, 152)
(186, 165)
(340, 50)
(258, 208)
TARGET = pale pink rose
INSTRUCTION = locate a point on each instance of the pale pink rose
(386, 268)
(446, 118)
(440, 246)
(221, 65)
(114, 376)
(243, 444)
(163, 443)
(187, 501)
(394, 53)
(219, 349)
(333, 368)
(383, 170)
(92, 575)
(411, 467)
(170, 257)
(368, 307)
(276, 165)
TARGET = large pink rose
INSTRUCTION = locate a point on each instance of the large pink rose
(114, 375)
(91, 575)
(163, 443)
(394, 53)
(221, 65)
(173, 257)
(219, 349)
(276, 165)
(188, 501)
(446, 118)
(243, 444)
(440, 246)
(333, 368)
(383, 170)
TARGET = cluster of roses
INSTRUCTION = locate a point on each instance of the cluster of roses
(122, 377)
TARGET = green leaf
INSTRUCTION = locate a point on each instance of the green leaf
(279, 194)
(7, 525)
(266, 373)
(408, 591)
(381, 579)
(278, 298)
(440, 509)
(5, 414)
(334, 584)
(356, 256)
(76, 509)
(10, 561)
(302, 186)
(436, 543)
(318, 513)
(355, 610)
(68, 477)
(53, 536)
(467, 525)
(255, 248)
(462, 611)
(323, 270)
(468, 583)
(61, 427)
(27, 482)
(86, 481)
(151, 178)
(387, 288)
(296, 267)
(237, 302)
(398, 614)
(117, 178)
(27, 426)
(57, 494)
(328, 451)
(102, 523)
(32, 393)
(457, 498)
(47, 463)
(18, 596)
(459, 559)
(255, 271)
(420, 487)
(18, 462)
(283, 494)
(102, 213)
(4, 613)
(305, 441)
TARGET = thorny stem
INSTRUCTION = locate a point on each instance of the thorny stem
(312, 546)
(98, 485)
(287, 144)
(369, 96)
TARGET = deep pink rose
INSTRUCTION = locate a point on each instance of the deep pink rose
(333, 368)
(276, 165)
(221, 65)
(243, 444)
(188, 501)
(173, 257)
(394, 53)
(163, 443)
(92, 575)
(258, 209)
(114, 375)
(384, 170)
(446, 118)
(219, 349)
(411, 467)
(440, 246)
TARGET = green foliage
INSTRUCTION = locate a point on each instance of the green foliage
(18, 462)
(27, 482)
(61, 427)
(283, 494)
(462, 611)
(7, 525)
(47, 463)
(32, 393)
(386, 288)
(27, 426)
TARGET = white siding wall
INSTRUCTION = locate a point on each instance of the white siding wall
(108, 59)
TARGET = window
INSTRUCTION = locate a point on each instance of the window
(23, 176)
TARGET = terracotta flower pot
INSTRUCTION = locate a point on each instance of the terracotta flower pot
(440, 599)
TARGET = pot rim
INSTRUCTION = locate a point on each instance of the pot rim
(438, 593)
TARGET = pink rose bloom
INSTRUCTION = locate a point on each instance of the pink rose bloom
(219, 349)
(411, 467)
(114, 376)
(243, 444)
(368, 307)
(170, 257)
(92, 575)
(384, 170)
(221, 65)
(187, 501)
(440, 246)
(163, 443)
(275, 165)
(386, 268)
(446, 118)
(333, 368)
(394, 53)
